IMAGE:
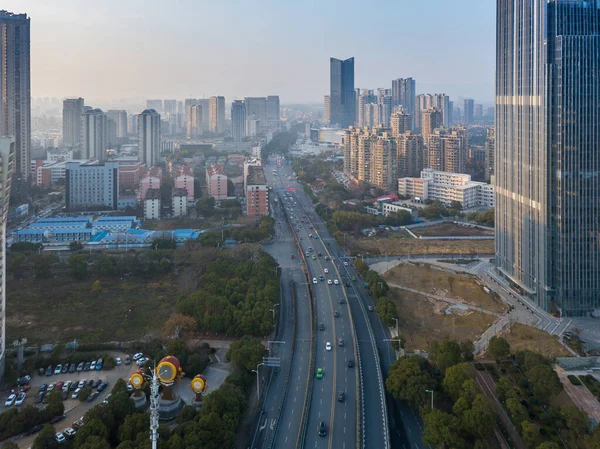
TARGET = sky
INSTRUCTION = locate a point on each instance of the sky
(113, 49)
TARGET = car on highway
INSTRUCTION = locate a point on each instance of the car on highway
(307, 254)
(314, 257)
(336, 313)
(354, 278)
(322, 429)
(350, 363)
(328, 346)
(329, 282)
(341, 396)
(370, 308)
(345, 264)
(291, 256)
(325, 271)
(326, 257)
(321, 278)
(342, 301)
(340, 341)
(336, 282)
(321, 326)
(10, 400)
(319, 373)
(314, 280)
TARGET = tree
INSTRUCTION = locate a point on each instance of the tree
(78, 266)
(455, 378)
(548, 445)
(467, 349)
(442, 431)
(408, 379)
(517, 412)
(92, 428)
(119, 386)
(577, 422)
(498, 348)
(531, 434)
(120, 405)
(177, 325)
(545, 382)
(55, 405)
(504, 389)
(96, 287)
(480, 419)
(134, 425)
(75, 246)
(95, 442)
(447, 354)
(247, 353)
(9, 445)
(44, 438)
(163, 243)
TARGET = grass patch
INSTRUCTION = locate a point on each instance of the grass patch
(422, 321)
(574, 379)
(450, 229)
(441, 283)
(61, 309)
(405, 246)
(521, 337)
(592, 383)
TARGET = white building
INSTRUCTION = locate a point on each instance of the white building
(59, 154)
(152, 205)
(180, 201)
(448, 187)
(92, 185)
(149, 137)
(94, 134)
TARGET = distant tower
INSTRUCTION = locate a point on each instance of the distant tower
(149, 137)
(469, 111)
(94, 134)
(238, 120)
(72, 115)
(341, 96)
(216, 114)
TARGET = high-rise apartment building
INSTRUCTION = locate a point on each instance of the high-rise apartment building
(409, 154)
(149, 133)
(238, 120)
(273, 111)
(216, 115)
(400, 122)
(469, 111)
(422, 103)
(157, 105)
(446, 150)
(404, 91)
(7, 164)
(72, 112)
(92, 185)
(341, 95)
(442, 103)
(382, 165)
(194, 121)
(431, 119)
(94, 134)
(490, 147)
(366, 97)
(119, 117)
(264, 109)
(15, 90)
(548, 151)
(327, 109)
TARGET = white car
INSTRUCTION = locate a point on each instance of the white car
(345, 264)
(329, 281)
(60, 438)
(82, 383)
(10, 400)
(314, 280)
(20, 398)
(328, 346)
(119, 361)
(325, 271)
(58, 369)
(336, 282)
(137, 356)
(76, 393)
(69, 431)
(141, 362)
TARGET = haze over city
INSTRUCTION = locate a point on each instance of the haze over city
(185, 48)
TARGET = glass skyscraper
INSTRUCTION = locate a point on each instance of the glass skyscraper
(342, 98)
(548, 151)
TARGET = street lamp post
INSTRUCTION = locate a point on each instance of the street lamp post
(397, 330)
(430, 391)
(257, 380)
(273, 310)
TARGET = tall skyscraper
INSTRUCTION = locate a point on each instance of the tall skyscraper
(409, 154)
(327, 109)
(15, 90)
(149, 137)
(490, 148)
(238, 120)
(341, 95)
(400, 123)
(119, 117)
(404, 91)
(217, 114)
(442, 103)
(273, 111)
(431, 119)
(7, 163)
(469, 111)
(548, 151)
(94, 134)
(72, 115)
(194, 122)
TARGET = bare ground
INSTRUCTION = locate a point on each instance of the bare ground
(450, 229)
(522, 337)
(403, 246)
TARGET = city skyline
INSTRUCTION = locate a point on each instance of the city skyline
(294, 54)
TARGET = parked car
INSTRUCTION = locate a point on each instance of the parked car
(67, 384)
(42, 371)
(77, 424)
(34, 429)
(65, 394)
(65, 368)
(118, 361)
(80, 367)
(137, 356)
(60, 438)
(49, 371)
(93, 396)
(87, 366)
(93, 365)
(105, 401)
(43, 388)
(24, 380)
(82, 383)
(102, 386)
(99, 364)
(39, 398)
(96, 383)
(70, 432)
(141, 362)
(10, 400)
(72, 368)
(56, 419)
(76, 393)
(127, 360)
(90, 383)
(74, 386)
(58, 369)
(51, 387)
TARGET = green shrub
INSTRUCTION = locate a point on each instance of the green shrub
(574, 379)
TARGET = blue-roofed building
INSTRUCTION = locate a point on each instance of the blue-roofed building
(114, 224)
(71, 235)
(31, 235)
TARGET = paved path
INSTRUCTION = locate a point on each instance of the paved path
(581, 396)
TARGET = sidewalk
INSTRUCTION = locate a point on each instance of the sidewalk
(581, 396)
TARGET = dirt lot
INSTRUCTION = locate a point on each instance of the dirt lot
(451, 230)
(522, 337)
(403, 246)
(441, 283)
(58, 310)
(423, 321)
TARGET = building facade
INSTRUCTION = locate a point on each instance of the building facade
(149, 133)
(431, 119)
(94, 134)
(409, 154)
(257, 194)
(216, 182)
(152, 205)
(547, 151)
(404, 91)
(490, 148)
(238, 120)
(400, 122)
(341, 95)
(217, 115)
(15, 88)
(72, 115)
(469, 111)
(179, 203)
(92, 185)
(119, 118)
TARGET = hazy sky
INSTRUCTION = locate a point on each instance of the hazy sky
(180, 48)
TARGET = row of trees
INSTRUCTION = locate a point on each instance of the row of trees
(486, 218)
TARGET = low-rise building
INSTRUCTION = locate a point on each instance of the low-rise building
(179, 204)
(130, 173)
(446, 188)
(183, 178)
(152, 180)
(216, 182)
(152, 204)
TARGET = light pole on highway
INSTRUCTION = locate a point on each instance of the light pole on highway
(397, 330)
(430, 391)
(273, 310)
(257, 380)
(277, 268)
(275, 342)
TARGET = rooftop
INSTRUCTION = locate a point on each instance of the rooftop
(256, 176)
(153, 194)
